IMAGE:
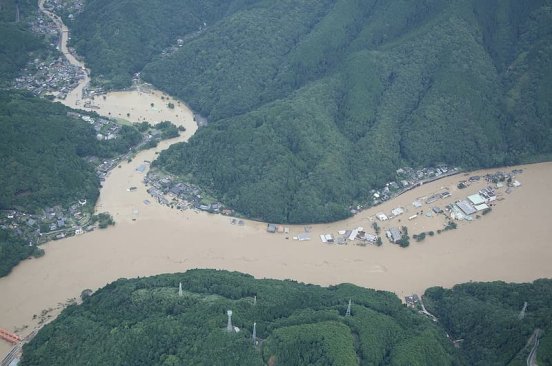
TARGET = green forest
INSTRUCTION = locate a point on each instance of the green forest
(486, 318)
(17, 43)
(13, 250)
(42, 151)
(119, 38)
(313, 103)
(146, 322)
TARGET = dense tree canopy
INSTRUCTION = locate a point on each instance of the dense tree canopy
(313, 103)
(17, 43)
(42, 151)
(12, 251)
(146, 322)
(486, 318)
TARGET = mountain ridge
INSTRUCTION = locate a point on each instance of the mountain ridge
(387, 84)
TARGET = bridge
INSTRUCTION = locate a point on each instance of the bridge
(10, 337)
(15, 353)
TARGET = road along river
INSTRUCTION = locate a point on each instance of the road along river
(512, 243)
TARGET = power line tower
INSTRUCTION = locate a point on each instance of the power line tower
(254, 334)
(229, 327)
(522, 312)
(180, 289)
(348, 312)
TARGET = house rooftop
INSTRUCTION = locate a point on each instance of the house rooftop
(476, 199)
(466, 207)
(394, 234)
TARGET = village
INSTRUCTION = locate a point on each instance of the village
(50, 223)
(432, 214)
(55, 77)
(58, 222)
(68, 7)
(50, 73)
(170, 191)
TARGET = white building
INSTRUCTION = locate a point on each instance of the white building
(397, 211)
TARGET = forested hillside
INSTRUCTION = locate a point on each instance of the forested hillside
(13, 250)
(313, 103)
(119, 38)
(485, 318)
(146, 322)
(16, 41)
(42, 150)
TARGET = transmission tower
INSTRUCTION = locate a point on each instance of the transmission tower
(348, 312)
(229, 327)
(522, 312)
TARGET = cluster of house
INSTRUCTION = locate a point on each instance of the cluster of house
(170, 192)
(281, 229)
(43, 25)
(464, 209)
(70, 7)
(480, 202)
(50, 223)
(106, 129)
(407, 178)
(358, 235)
(56, 78)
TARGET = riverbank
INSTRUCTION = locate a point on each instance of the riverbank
(510, 244)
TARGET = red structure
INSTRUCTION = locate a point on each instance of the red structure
(10, 337)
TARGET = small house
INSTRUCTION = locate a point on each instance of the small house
(397, 211)
(394, 235)
(381, 216)
(303, 236)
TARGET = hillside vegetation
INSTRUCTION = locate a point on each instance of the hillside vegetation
(486, 318)
(145, 322)
(17, 43)
(12, 251)
(313, 103)
(42, 151)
